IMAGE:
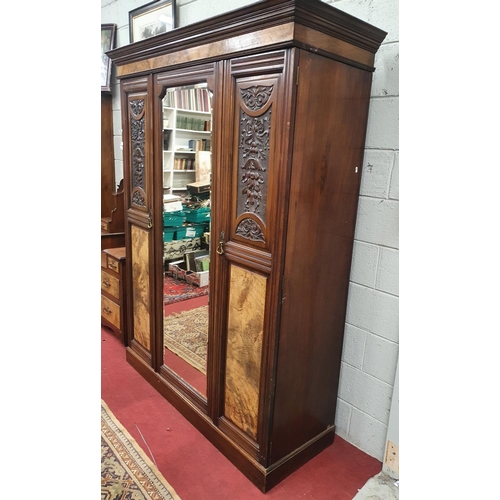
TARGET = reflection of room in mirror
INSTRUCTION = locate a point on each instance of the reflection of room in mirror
(186, 334)
(187, 124)
(185, 340)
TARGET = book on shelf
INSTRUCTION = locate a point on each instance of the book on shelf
(200, 144)
(189, 98)
(193, 123)
(166, 139)
(184, 164)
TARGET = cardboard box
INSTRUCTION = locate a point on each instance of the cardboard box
(178, 269)
(173, 267)
(198, 279)
(198, 187)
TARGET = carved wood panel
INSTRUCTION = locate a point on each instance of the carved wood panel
(254, 101)
(137, 120)
(244, 348)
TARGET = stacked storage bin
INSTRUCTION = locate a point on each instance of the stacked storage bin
(172, 222)
(198, 221)
(201, 214)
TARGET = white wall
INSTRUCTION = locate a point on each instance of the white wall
(372, 328)
(390, 465)
(372, 325)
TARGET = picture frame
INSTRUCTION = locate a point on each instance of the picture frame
(108, 35)
(152, 19)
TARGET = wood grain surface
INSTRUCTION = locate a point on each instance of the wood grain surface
(110, 284)
(244, 348)
(140, 286)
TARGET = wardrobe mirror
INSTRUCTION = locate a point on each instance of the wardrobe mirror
(187, 125)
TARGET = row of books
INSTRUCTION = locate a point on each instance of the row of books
(184, 164)
(200, 144)
(194, 99)
(192, 123)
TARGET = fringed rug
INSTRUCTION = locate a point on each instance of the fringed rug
(177, 290)
(127, 473)
(186, 334)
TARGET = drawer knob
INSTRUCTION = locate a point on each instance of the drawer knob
(106, 283)
(106, 310)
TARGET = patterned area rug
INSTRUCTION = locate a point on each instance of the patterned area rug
(127, 473)
(186, 334)
(177, 290)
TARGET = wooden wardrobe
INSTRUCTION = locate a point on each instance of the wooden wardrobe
(289, 83)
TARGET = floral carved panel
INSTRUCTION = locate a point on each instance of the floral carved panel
(253, 158)
(137, 127)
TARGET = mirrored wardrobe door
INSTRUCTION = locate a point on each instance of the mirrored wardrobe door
(187, 166)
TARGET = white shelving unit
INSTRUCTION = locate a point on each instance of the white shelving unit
(179, 155)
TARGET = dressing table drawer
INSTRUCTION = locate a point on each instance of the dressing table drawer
(113, 264)
(111, 311)
(113, 304)
(110, 284)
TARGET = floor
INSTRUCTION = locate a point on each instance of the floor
(379, 487)
(194, 467)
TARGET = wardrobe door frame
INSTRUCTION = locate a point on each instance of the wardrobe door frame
(252, 256)
(177, 77)
(138, 199)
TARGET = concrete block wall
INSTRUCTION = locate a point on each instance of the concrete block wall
(371, 345)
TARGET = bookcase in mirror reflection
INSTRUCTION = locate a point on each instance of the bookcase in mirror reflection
(187, 135)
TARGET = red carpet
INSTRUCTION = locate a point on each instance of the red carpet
(194, 467)
(178, 290)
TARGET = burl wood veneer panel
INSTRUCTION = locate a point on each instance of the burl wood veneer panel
(140, 286)
(244, 348)
(215, 49)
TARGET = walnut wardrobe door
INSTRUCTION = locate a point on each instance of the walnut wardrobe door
(254, 125)
(138, 143)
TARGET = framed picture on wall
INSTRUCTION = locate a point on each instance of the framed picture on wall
(108, 33)
(151, 19)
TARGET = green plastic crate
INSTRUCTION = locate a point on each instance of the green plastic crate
(173, 219)
(180, 233)
(194, 230)
(168, 234)
(197, 214)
